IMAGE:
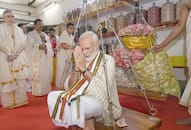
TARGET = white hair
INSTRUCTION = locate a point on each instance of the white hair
(89, 33)
(6, 11)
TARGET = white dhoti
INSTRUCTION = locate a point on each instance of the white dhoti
(14, 99)
(13, 74)
(89, 108)
(41, 63)
(186, 97)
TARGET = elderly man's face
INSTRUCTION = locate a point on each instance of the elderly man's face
(88, 46)
(9, 18)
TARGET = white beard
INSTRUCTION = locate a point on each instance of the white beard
(91, 57)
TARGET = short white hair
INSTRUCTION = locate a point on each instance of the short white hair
(89, 33)
(6, 11)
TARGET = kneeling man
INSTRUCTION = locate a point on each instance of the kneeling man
(85, 98)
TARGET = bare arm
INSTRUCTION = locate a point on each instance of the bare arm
(177, 29)
(74, 78)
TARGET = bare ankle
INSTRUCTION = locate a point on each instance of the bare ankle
(89, 124)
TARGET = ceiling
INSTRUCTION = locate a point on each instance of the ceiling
(34, 3)
(26, 10)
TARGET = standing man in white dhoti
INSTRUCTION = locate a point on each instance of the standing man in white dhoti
(40, 54)
(184, 21)
(85, 99)
(64, 55)
(14, 67)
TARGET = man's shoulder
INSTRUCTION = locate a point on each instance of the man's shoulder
(63, 34)
(44, 33)
(31, 32)
(109, 58)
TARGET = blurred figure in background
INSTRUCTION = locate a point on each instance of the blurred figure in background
(64, 55)
(14, 68)
(40, 55)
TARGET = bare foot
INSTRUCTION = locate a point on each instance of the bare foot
(89, 124)
(121, 123)
(189, 110)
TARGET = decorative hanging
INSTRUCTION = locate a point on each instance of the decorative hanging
(138, 39)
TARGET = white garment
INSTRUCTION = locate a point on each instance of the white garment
(41, 63)
(187, 92)
(188, 43)
(89, 106)
(64, 63)
(13, 74)
(97, 89)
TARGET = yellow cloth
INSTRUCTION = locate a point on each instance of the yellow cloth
(138, 42)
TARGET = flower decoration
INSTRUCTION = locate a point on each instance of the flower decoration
(134, 55)
(138, 29)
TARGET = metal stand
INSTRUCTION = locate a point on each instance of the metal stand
(137, 12)
(152, 110)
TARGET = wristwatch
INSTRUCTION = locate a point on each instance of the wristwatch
(83, 72)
